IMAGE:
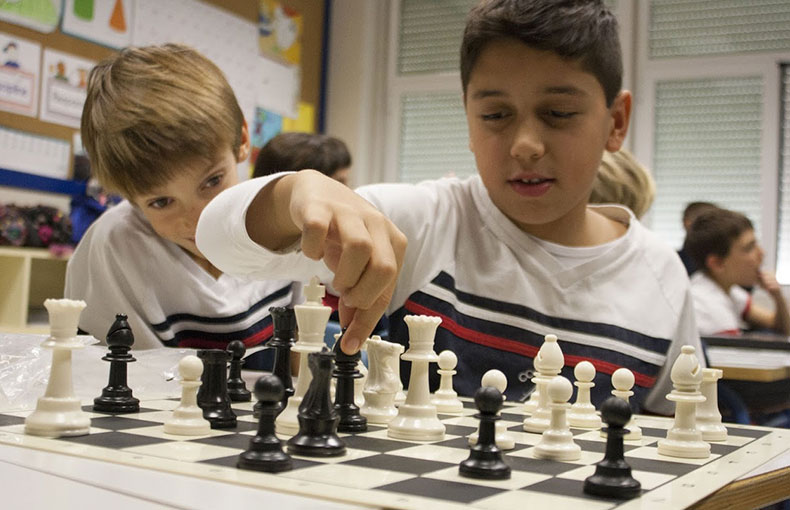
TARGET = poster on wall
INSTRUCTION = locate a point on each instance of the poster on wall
(279, 31)
(20, 61)
(106, 22)
(40, 15)
(265, 126)
(278, 87)
(64, 80)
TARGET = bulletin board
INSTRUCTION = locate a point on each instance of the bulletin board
(222, 17)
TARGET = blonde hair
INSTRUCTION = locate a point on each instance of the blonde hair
(623, 180)
(149, 110)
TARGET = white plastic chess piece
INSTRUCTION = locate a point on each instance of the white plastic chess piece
(382, 382)
(684, 439)
(417, 418)
(708, 415)
(504, 439)
(556, 443)
(623, 381)
(548, 363)
(359, 384)
(59, 413)
(582, 413)
(311, 317)
(445, 398)
(187, 419)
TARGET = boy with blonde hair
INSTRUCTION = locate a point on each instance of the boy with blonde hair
(162, 127)
(504, 257)
(624, 180)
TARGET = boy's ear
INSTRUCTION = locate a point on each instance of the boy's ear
(244, 146)
(621, 117)
(714, 263)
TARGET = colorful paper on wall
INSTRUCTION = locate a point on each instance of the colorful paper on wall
(20, 61)
(107, 22)
(40, 15)
(266, 125)
(64, 83)
(304, 121)
(280, 31)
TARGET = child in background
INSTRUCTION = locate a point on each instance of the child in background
(624, 180)
(723, 245)
(690, 213)
(506, 256)
(162, 128)
(289, 152)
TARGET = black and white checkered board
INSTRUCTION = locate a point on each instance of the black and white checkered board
(382, 472)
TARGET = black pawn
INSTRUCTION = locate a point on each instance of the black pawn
(117, 397)
(237, 388)
(317, 417)
(345, 372)
(265, 452)
(485, 458)
(612, 477)
(284, 321)
(212, 396)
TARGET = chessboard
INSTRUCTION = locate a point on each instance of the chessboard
(385, 473)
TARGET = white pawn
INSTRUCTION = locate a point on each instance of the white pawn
(556, 442)
(582, 414)
(504, 439)
(623, 381)
(684, 439)
(187, 419)
(708, 415)
(445, 398)
(548, 363)
(59, 413)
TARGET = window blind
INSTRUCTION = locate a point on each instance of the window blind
(430, 35)
(783, 241)
(707, 148)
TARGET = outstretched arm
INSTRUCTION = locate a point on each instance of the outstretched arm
(358, 244)
(777, 320)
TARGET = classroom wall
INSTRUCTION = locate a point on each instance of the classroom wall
(313, 19)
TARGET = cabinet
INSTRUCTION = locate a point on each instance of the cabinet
(28, 276)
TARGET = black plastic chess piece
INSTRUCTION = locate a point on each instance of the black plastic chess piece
(284, 321)
(345, 372)
(485, 458)
(317, 436)
(612, 477)
(237, 388)
(117, 397)
(265, 452)
(213, 394)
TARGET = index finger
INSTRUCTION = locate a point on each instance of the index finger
(359, 323)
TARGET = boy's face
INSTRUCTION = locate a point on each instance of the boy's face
(173, 210)
(742, 265)
(538, 126)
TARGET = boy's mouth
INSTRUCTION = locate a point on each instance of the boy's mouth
(532, 187)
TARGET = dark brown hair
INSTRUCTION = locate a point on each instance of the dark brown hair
(713, 233)
(289, 152)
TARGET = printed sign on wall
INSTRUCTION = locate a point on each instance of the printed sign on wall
(64, 84)
(20, 61)
(107, 22)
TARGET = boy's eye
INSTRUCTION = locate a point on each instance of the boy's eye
(213, 181)
(159, 203)
(560, 114)
(493, 116)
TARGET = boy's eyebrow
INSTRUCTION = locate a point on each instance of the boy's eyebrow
(569, 90)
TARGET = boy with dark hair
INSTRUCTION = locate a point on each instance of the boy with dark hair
(509, 255)
(290, 152)
(162, 128)
(690, 213)
(723, 245)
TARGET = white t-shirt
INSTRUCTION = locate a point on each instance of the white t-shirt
(718, 312)
(497, 290)
(122, 266)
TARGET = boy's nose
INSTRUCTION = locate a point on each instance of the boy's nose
(527, 143)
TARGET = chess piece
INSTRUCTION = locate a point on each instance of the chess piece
(345, 373)
(485, 458)
(117, 397)
(318, 418)
(708, 415)
(623, 381)
(582, 413)
(237, 388)
(548, 364)
(359, 384)
(59, 413)
(612, 477)
(311, 318)
(445, 398)
(556, 443)
(212, 396)
(504, 439)
(684, 439)
(265, 452)
(417, 418)
(187, 419)
(284, 320)
(383, 382)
